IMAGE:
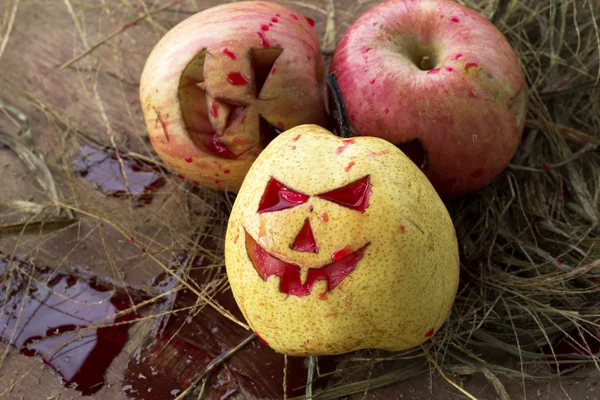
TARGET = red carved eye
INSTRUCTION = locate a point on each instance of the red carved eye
(278, 197)
(354, 196)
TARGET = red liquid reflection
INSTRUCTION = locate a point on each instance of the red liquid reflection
(65, 320)
(103, 169)
(182, 345)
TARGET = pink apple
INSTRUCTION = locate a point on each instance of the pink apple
(222, 83)
(438, 80)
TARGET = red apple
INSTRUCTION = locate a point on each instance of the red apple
(222, 83)
(438, 80)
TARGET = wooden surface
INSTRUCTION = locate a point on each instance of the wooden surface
(97, 97)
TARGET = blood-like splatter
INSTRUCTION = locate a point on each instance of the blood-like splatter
(236, 79)
(347, 142)
(263, 40)
(229, 53)
(68, 321)
(107, 172)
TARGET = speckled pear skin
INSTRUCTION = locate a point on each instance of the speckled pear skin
(404, 286)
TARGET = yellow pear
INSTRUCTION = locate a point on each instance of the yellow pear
(335, 245)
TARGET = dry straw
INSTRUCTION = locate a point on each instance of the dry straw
(530, 250)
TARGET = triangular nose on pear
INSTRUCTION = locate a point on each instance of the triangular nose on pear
(305, 239)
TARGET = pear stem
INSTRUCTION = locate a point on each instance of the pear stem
(340, 114)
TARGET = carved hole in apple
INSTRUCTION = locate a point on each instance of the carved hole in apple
(235, 112)
(262, 64)
(194, 71)
(415, 150)
(194, 108)
(268, 132)
(192, 98)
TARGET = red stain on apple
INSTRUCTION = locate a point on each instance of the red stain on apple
(293, 147)
(274, 19)
(180, 176)
(349, 166)
(163, 124)
(264, 27)
(454, 19)
(470, 65)
(236, 79)
(263, 40)
(324, 217)
(229, 53)
(386, 110)
(478, 173)
(214, 110)
(449, 69)
(227, 171)
(366, 50)
(274, 69)
(433, 71)
(429, 333)
(294, 16)
(322, 296)
(311, 21)
(472, 94)
(196, 183)
(188, 159)
(296, 138)
(217, 148)
(457, 56)
(372, 81)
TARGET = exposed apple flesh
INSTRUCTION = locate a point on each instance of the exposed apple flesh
(223, 83)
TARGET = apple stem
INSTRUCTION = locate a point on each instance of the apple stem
(425, 63)
(340, 114)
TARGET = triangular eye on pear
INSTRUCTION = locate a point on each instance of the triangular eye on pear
(279, 197)
(354, 196)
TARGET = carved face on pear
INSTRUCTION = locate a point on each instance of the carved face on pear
(278, 197)
(335, 245)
